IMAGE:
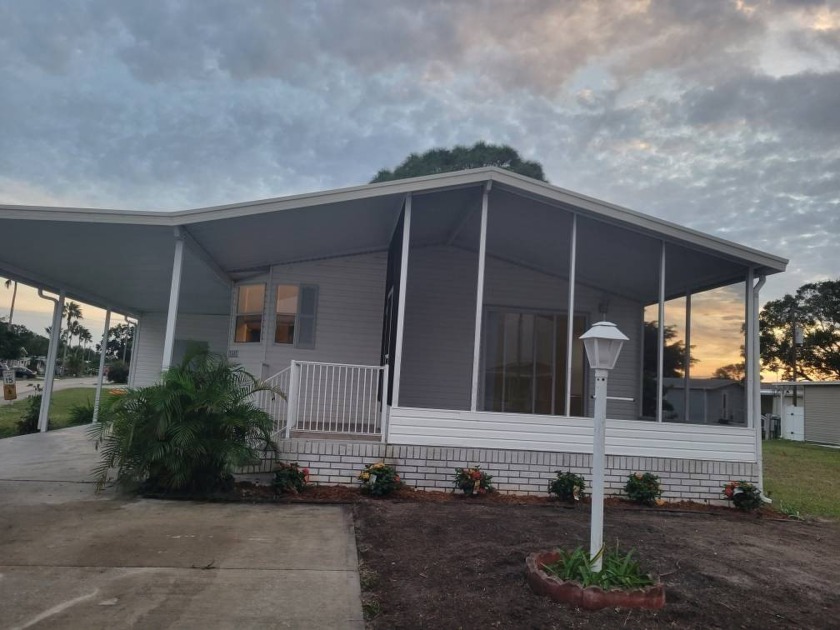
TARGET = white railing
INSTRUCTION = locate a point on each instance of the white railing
(337, 398)
(275, 402)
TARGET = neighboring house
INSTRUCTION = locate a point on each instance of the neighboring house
(815, 416)
(433, 322)
(711, 400)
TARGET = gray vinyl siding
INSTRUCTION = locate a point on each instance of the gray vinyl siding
(148, 358)
(440, 320)
(348, 322)
(822, 414)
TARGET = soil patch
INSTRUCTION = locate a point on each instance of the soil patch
(456, 563)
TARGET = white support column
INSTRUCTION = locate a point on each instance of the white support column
(135, 346)
(101, 375)
(687, 357)
(748, 343)
(660, 351)
(756, 390)
(174, 294)
(479, 298)
(398, 351)
(52, 355)
(596, 531)
(570, 323)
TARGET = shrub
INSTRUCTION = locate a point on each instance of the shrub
(379, 479)
(567, 486)
(290, 478)
(744, 495)
(118, 372)
(643, 488)
(81, 413)
(188, 432)
(473, 481)
(617, 570)
(29, 422)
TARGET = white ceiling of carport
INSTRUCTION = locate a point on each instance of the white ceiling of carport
(121, 265)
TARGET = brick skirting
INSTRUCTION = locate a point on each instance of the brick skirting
(333, 462)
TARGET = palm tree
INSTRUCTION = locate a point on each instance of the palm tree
(9, 283)
(72, 311)
(84, 337)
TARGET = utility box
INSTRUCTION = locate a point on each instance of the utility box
(793, 424)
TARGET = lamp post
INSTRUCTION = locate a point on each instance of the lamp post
(603, 344)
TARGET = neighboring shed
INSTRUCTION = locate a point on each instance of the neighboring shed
(822, 413)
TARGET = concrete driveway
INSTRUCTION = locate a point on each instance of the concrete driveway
(71, 559)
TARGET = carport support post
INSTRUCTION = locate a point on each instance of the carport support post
(660, 355)
(52, 355)
(104, 351)
(570, 318)
(479, 297)
(174, 293)
(687, 358)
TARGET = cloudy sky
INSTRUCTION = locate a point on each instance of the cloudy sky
(723, 116)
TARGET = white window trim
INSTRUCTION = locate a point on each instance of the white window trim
(273, 322)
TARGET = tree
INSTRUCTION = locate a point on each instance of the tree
(73, 312)
(733, 371)
(460, 158)
(11, 284)
(673, 363)
(814, 310)
(14, 338)
(120, 342)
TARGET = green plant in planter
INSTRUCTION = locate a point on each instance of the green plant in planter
(188, 432)
(290, 478)
(379, 479)
(643, 488)
(618, 570)
(744, 495)
(567, 486)
(473, 481)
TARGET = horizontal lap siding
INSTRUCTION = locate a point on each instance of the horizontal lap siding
(440, 320)
(348, 325)
(822, 414)
(559, 434)
(148, 360)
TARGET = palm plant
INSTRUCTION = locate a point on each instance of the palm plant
(8, 283)
(186, 433)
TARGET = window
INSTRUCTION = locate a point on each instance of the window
(525, 363)
(295, 312)
(249, 310)
(286, 309)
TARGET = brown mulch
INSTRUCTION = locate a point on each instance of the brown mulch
(459, 563)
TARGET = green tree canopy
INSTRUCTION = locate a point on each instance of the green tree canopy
(460, 158)
(17, 341)
(815, 310)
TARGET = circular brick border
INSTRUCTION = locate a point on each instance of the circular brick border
(590, 598)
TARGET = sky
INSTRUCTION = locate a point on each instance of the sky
(720, 115)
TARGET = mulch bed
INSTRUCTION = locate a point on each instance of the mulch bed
(459, 563)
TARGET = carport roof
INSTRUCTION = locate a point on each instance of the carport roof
(123, 258)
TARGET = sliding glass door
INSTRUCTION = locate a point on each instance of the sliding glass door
(525, 362)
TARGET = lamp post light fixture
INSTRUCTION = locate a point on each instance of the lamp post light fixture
(603, 344)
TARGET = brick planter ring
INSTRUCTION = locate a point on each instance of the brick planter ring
(590, 598)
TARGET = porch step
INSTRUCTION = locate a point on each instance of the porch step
(335, 435)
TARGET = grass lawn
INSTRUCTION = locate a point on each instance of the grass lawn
(62, 402)
(802, 477)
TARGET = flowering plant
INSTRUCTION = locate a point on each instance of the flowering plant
(743, 494)
(567, 486)
(290, 478)
(473, 481)
(643, 488)
(379, 479)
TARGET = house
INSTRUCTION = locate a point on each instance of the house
(433, 322)
(813, 415)
(710, 400)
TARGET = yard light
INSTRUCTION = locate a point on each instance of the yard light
(603, 344)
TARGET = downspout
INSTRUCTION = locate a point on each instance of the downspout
(756, 393)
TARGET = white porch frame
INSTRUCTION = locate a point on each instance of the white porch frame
(398, 351)
(101, 374)
(52, 355)
(479, 298)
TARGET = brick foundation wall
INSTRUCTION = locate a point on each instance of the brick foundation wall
(335, 462)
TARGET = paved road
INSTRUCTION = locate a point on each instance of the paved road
(25, 387)
(72, 559)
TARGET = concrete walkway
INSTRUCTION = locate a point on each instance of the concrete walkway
(72, 559)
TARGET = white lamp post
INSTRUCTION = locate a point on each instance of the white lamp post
(603, 344)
